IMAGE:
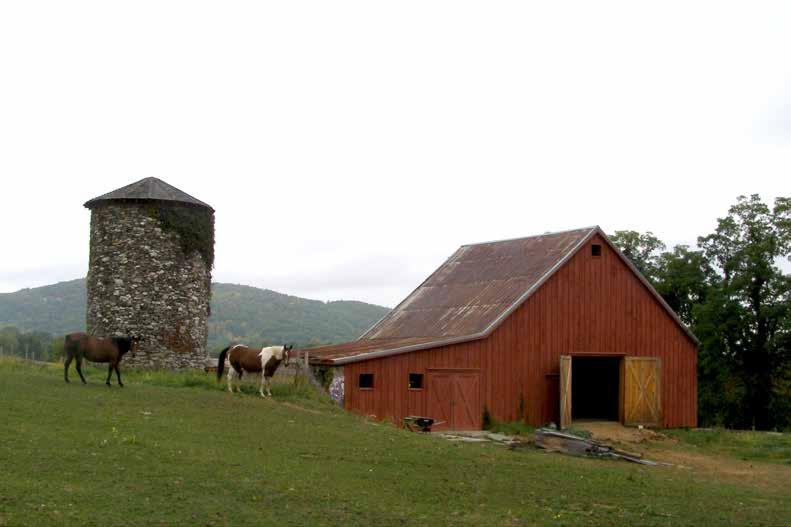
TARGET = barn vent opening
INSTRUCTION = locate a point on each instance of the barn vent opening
(595, 388)
(367, 381)
(595, 249)
(415, 381)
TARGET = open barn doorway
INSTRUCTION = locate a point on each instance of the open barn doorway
(595, 388)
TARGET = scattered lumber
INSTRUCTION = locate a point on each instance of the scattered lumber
(555, 441)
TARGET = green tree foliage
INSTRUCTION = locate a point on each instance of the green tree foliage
(641, 249)
(682, 277)
(744, 321)
(736, 299)
(35, 345)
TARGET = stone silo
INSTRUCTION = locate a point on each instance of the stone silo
(149, 274)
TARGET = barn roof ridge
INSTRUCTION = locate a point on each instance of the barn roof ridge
(394, 345)
(518, 238)
(148, 188)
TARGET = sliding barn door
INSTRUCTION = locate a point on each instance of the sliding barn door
(565, 391)
(641, 385)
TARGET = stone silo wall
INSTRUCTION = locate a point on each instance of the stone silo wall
(140, 282)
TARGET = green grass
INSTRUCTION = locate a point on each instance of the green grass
(174, 449)
(513, 428)
(748, 446)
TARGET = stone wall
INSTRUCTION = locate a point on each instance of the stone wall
(141, 283)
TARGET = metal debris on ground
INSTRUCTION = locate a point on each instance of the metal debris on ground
(555, 441)
(415, 423)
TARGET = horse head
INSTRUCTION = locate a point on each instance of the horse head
(127, 344)
(286, 352)
(135, 343)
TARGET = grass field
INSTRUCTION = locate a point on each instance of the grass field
(173, 449)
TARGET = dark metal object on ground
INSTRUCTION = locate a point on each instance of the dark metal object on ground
(555, 441)
(416, 423)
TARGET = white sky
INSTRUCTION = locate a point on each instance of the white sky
(350, 147)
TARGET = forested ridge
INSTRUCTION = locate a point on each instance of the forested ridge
(239, 314)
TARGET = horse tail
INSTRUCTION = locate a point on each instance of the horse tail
(221, 362)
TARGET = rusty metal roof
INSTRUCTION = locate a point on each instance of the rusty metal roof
(331, 354)
(469, 295)
(472, 289)
(149, 188)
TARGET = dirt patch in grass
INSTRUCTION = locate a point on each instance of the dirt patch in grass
(683, 456)
(614, 431)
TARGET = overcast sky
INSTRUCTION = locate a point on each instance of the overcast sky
(348, 148)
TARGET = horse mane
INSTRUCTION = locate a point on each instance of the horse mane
(124, 344)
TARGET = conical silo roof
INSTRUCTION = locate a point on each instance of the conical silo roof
(149, 188)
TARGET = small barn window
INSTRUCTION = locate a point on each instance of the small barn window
(367, 381)
(595, 249)
(415, 381)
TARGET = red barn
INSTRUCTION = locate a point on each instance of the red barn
(554, 327)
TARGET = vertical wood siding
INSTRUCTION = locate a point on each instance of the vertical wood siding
(592, 305)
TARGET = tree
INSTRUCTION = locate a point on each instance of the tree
(642, 249)
(744, 321)
(683, 277)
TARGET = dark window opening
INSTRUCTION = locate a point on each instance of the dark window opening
(367, 380)
(595, 387)
(415, 381)
(596, 249)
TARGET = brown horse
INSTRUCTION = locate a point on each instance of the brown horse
(81, 345)
(243, 359)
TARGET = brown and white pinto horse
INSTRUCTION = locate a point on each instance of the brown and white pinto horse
(81, 345)
(243, 359)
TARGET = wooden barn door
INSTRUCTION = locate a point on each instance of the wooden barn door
(440, 397)
(454, 397)
(565, 391)
(466, 407)
(641, 396)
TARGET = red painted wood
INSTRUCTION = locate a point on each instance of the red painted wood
(592, 305)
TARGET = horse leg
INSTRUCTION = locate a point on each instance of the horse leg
(261, 389)
(239, 380)
(66, 365)
(78, 365)
(231, 373)
(109, 374)
(269, 386)
(118, 374)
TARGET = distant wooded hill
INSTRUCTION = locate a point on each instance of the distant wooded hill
(239, 314)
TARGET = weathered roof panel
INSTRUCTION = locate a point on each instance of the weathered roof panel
(475, 285)
(149, 188)
(334, 354)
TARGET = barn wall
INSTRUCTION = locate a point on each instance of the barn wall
(592, 305)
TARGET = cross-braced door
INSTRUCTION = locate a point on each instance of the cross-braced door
(642, 389)
(454, 399)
